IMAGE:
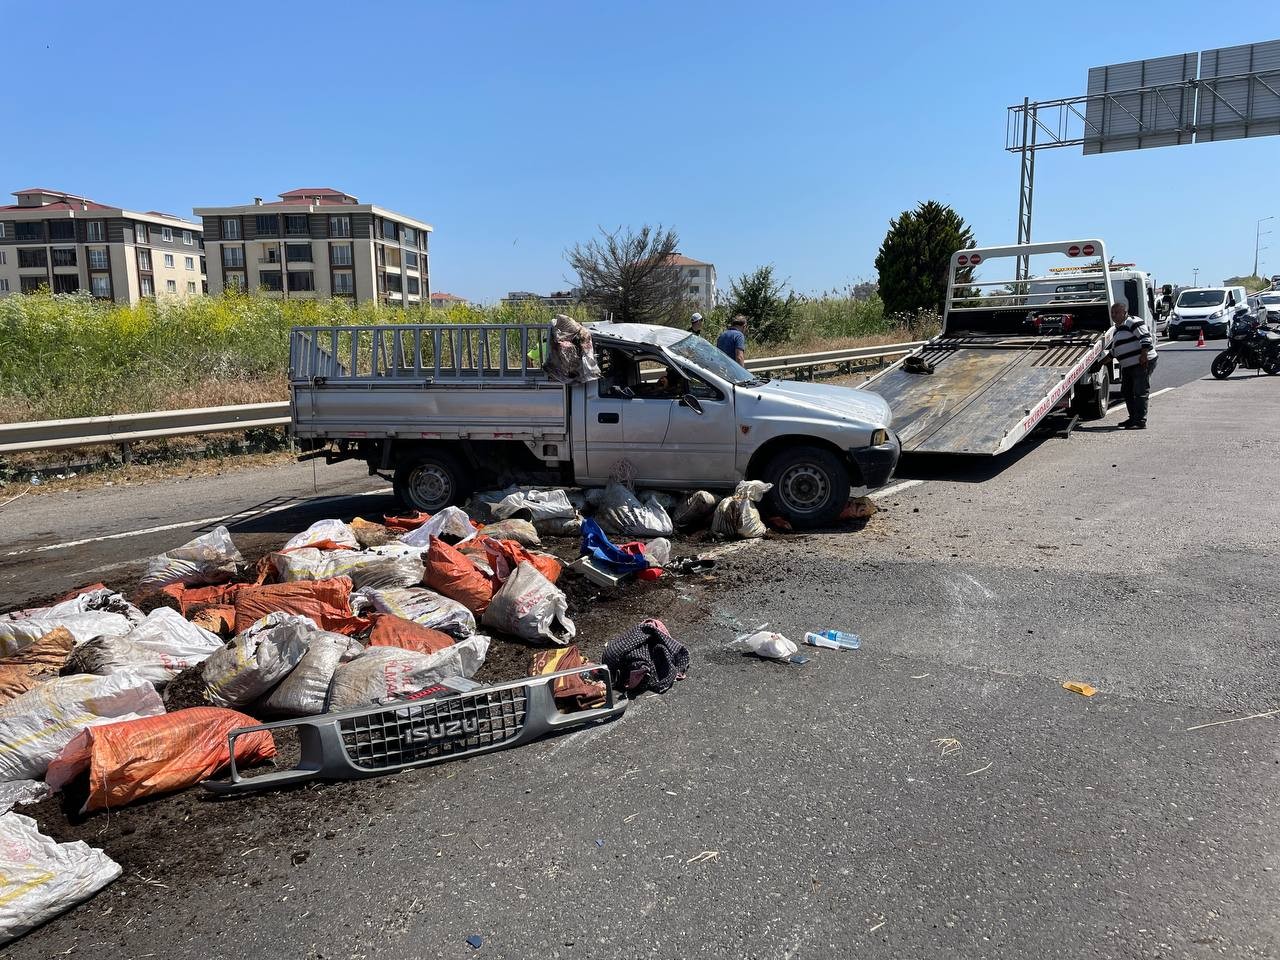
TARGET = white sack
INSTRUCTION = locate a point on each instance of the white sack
(365, 568)
(382, 672)
(624, 514)
(335, 530)
(159, 648)
(449, 522)
(304, 690)
(424, 607)
(531, 607)
(257, 659)
(207, 559)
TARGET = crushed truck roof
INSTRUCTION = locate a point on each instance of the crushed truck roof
(638, 333)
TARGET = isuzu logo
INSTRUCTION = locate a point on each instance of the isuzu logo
(443, 730)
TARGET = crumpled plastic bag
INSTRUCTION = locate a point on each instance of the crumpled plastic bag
(572, 357)
(210, 558)
(257, 659)
(767, 643)
(424, 607)
(695, 511)
(304, 690)
(365, 568)
(102, 600)
(382, 672)
(559, 526)
(449, 522)
(531, 607)
(17, 635)
(624, 514)
(738, 516)
(535, 505)
(159, 648)
(325, 531)
(43, 878)
(37, 725)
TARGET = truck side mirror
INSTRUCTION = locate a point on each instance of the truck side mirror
(692, 402)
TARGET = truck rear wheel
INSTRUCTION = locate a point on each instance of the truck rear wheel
(1094, 404)
(810, 486)
(431, 481)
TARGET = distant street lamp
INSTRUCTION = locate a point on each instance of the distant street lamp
(1257, 235)
(1195, 276)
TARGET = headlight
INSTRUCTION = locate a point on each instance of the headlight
(879, 437)
(1218, 313)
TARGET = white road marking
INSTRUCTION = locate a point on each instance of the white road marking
(1120, 407)
(895, 488)
(224, 518)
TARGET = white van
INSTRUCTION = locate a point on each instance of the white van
(1207, 309)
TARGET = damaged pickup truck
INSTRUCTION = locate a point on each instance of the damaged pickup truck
(450, 408)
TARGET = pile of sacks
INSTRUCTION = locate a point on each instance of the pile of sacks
(342, 616)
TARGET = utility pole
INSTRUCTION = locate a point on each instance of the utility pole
(1257, 236)
(1195, 276)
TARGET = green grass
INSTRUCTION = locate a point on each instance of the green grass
(73, 356)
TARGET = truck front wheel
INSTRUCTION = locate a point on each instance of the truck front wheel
(1095, 402)
(431, 481)
(810, 486)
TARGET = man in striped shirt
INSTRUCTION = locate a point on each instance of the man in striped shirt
(1135, 351)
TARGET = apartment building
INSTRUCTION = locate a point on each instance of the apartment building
(315, 243)
(699, 278)
(69, 243)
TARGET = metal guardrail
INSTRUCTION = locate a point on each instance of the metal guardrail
(128, 427)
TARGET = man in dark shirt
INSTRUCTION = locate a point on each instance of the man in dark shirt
(733, 342)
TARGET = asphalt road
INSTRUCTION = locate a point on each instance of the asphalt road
(936, 793)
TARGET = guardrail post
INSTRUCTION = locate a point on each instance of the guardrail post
(126, 452)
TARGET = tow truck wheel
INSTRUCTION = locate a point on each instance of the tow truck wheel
(431, 481)
(810, 486)
(1094, 404)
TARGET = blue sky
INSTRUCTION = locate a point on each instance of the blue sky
(764, 132)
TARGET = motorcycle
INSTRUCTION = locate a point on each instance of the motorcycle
(1253, 346)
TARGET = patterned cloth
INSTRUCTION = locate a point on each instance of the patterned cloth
(646, 658)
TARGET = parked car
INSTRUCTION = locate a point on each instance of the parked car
(1269, 307)
(1207, 309)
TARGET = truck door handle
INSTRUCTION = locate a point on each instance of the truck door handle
(607, 418)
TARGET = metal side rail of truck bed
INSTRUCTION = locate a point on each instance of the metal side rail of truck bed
(985, 393)
(407, 733)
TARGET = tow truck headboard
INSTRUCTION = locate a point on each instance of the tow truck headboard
(1068, 288)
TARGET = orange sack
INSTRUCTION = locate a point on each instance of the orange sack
(452, 575)
(140, 758)
(515, 554)
(190, 598)
(219, 618)
(327, 602)
(392, 631)
(412, 522)
(32, 665)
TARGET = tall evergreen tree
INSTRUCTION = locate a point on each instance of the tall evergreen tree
(915, 255)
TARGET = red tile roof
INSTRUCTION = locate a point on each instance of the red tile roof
(440, 295)
(680, 260)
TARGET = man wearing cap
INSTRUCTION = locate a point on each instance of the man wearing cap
(733, 342)
(695, 324)
(1135, 351)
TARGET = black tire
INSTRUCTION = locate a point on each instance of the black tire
(810, 486)
(1271, 365)
(432, 480)
(1224, 365)
(1093, 404)
(1173, 335)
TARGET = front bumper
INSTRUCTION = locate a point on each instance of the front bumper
(876, 464)
(1178, 328)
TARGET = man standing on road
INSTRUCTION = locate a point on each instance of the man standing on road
(1135, 351)
(695, 324)
(733, 342)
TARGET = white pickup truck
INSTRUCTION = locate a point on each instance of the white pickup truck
(450, 408)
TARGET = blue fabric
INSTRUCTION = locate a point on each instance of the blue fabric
(730, 342)
(597, 546)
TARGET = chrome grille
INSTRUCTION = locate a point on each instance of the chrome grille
(434, 728)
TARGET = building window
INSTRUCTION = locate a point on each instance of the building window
(166, 234)
(233, 256)
(389, 230)
(140, 234)
(64, 257)
(339, 226)
(3, 225)
(171, 286)
(297, 252)
(32, 258)
(100, 287)
(203, 267)
(410, 236)
(301, 280)
(343, 283)
(62, 230)
(268, 225)
(412, 285)
(4, 257)
(97, 259)
(380, 256)
(95, 231)
(694, 272)
(296, 225)
(340, 254)
(393, 283)
(694, 289)
(31, 284)
(411, 260)
(191, 286)
(144, 259)
(168, 259)
(269, 279)
(4, 281)
(187, 239)
(66, 283)
(230, 228)
(28, 231)
(235, 281)
(145, 287)
(189, 262)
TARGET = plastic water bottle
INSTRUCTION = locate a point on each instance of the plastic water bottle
(833, 640)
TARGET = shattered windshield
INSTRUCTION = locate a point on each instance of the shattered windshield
(707, 357)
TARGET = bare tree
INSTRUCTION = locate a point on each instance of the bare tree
(630, 274)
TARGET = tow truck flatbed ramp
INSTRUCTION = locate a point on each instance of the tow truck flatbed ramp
(984, 394)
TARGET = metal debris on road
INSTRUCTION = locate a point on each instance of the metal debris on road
(703, 857)
(1084, 689)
